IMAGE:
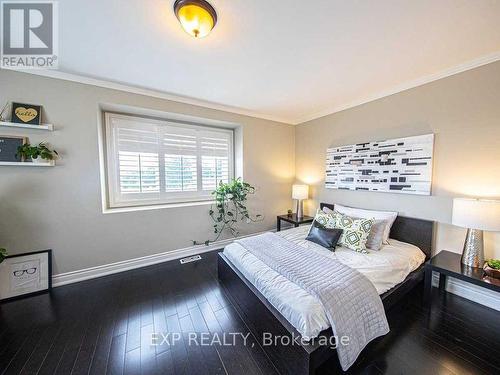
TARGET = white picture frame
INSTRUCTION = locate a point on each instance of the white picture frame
(25, 274)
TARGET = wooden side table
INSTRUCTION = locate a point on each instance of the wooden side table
(293, 219)
(447, 264)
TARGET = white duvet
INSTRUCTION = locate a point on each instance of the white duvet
(384, 268)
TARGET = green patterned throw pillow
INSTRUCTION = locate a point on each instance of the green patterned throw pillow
(327, 220)
(355, 231)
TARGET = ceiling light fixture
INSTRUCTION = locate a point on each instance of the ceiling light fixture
(197, 17)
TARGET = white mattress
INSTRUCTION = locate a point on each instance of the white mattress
(384, 268)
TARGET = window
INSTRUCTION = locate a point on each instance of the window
(153, 162)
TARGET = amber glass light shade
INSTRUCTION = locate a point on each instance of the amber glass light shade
(197, 17)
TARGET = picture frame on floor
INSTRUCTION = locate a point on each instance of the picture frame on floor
(27, 274)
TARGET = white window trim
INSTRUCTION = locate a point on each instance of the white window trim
(111, 175)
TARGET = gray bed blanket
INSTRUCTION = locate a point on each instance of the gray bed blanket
(352, 304)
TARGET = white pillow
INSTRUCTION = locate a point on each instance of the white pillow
(388, 216)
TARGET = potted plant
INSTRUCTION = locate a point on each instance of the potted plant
(492, 268)
(40, 153)
(3, 254)
(229, 208)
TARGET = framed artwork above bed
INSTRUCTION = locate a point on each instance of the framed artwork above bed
(401, 165)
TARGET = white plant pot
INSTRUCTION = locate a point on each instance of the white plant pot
(39, 160)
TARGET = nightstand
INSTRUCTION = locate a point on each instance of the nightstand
(447, 264)
(292, 219)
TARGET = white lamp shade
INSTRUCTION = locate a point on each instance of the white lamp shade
(476, 214)
(300, 192)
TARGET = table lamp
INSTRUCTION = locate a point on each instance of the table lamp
(476, 215)
(300, 192)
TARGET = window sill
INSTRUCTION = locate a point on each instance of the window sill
(116, 210)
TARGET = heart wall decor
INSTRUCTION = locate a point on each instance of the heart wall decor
(26, 113)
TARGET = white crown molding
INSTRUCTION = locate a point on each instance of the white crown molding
(57, 74)
(126, 265)
(471, 292)
(484, 60)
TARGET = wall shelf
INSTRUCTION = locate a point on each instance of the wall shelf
(47, 127)
(51, 163)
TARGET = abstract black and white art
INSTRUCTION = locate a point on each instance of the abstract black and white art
(402, 165)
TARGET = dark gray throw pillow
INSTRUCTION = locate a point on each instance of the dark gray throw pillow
(326, 237)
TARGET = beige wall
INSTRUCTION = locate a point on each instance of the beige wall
(60, 208)
(464, 113)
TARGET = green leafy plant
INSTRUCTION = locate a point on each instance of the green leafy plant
(230, 207)
(28, 151)
(3, 254)
(494, 263)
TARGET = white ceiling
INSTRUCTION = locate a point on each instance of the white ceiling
(291, 60)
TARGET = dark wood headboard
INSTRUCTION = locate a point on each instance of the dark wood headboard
(417, 232)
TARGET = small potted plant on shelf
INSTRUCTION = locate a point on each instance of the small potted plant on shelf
(40, 153)
(492, 268)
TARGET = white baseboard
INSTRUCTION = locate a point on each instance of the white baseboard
(108, 269)
(472, 292)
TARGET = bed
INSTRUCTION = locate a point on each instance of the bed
(252, 289)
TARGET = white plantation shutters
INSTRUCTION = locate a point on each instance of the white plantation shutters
(214, 159)
(139, 172)
(153, 162)
(138, 163)
(180, 148)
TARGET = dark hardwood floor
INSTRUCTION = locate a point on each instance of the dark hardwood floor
(104, 326)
